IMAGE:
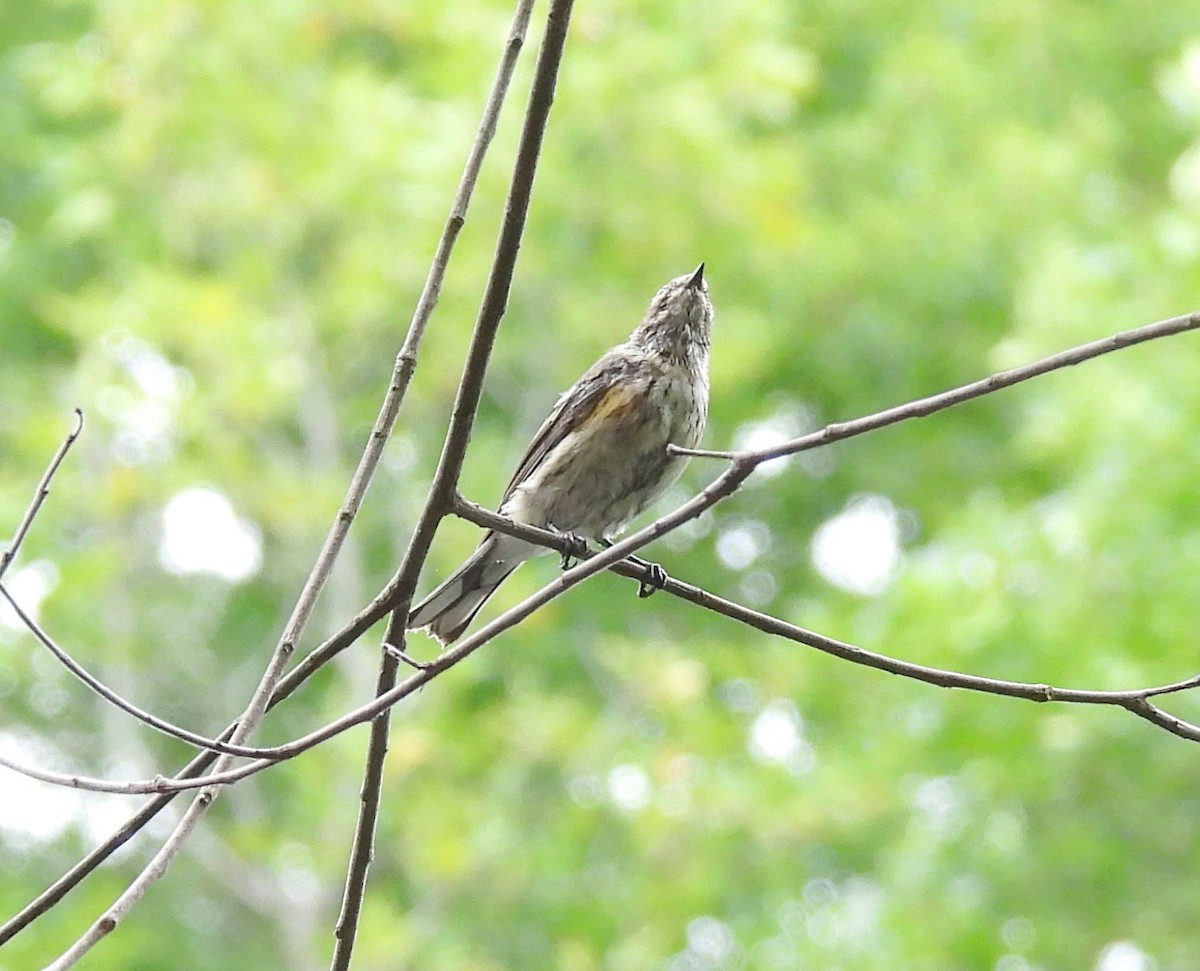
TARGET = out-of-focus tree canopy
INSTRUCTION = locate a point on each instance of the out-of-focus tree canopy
(214, 220)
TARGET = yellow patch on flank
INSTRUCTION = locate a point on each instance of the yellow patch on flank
(615, 402)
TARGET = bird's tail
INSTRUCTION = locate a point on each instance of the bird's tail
(447, 611)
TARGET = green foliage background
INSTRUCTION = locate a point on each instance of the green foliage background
(891, 199)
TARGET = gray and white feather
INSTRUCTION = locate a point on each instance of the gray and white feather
(600, 458)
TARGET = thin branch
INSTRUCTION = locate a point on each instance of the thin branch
(107, 693)
(378, 608)
(1143, 708)
(956, 396)
(39, 497)
(741, 466)
(1133, 699)
(71, 781)
(1169, 689)
(317, 658)
(362, 847)
(345, 931)
(265, 695)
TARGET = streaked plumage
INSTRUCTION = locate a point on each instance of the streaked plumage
(600, 458)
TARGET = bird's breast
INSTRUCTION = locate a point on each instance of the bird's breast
(615, 462)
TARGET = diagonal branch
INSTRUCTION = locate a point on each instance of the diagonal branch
(740, 468)
(263, 696)
(743, 463)
(956, 396)
(107, 693)
(1133, 699)
(466, 404)
(43, 490)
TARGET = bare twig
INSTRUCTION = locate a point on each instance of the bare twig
(369, 615)
(1133, 699)
(956, 396)
(1144, 708)
(265, 695)
(381, 604)
(105, 692)
(740, 468)
(346, 928)
(43, 490)
(71, 781)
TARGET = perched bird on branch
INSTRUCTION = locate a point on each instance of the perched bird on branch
(601, 457)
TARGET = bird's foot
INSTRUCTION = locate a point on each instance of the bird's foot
(656, 577)
(577, 549)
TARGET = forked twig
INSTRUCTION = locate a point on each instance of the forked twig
(266, 695)
(742, 466)
(490, 313)
(443, 500)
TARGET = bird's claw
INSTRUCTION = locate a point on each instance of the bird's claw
(656, 577)
(577, 549)
(655, 581)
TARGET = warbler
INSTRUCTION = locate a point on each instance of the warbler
(601, 456)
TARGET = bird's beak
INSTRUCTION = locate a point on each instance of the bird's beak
(697, 279)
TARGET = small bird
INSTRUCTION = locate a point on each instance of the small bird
(601, 457)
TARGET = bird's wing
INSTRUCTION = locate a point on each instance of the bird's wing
(601, 382)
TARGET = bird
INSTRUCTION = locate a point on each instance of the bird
(600, 457)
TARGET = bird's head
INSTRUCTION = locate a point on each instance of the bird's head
(679, 321)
